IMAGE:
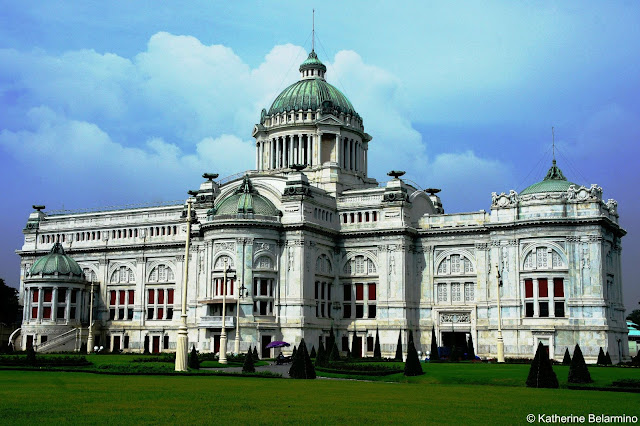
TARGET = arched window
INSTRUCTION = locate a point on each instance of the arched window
(264, 262)
(455, 264)
(323, 265)
(89, 274)
(544, 258)
(360, 265)
(122, 275)
(223, 261)
(161, 274)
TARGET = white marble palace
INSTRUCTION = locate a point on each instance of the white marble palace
(311, 242)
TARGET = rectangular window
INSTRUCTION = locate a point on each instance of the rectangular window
(372, 311)
(160, 297)
(150, 313)
(129, 314)
(61, 296)
(543, 288)
(558, 287)
(74, 294)
(317, 287)
(60, 313)
(160, 313)
(130, 292)
(469, 295)
(121, 313)
(151, 298)
(455, 292)
(47, 295)
(46, 312)
(559, 309)
(112, 297)
(528, 288)
(359, 311)
(370, 343)
(346, 311)
(34, 313)
(528, 309)
(169, 313)
(455, 264)
(442, 292)
(264, 288)
(126, 342)
(165, 342)
(322, 290)
(170, 296)
(121, 298)
(73, 313)
(112, 314)
(347, 293)
(544, 309)
(359, 291)
(35, 295)
(372, 291)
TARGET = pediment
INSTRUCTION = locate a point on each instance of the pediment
(330, 120)
(258, 128)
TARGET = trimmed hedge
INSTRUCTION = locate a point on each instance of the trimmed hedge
(44, 360)
(359, 372)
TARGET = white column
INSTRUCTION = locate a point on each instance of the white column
(347, 154)
(338, 156)
(301, 150)
(356, 165)
(54, 304)
(67, 309)
(257, 155)
(40, 297)
(279, 156)
(366, 160)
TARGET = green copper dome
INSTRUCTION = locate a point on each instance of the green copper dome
(56, 262)
(554, 181)
(311, 93)
(245, 200)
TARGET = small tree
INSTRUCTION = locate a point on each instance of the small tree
(601, 358)
(194, 362)
(293, 355)
(377, 352)
(248, 366)
(435, 355)
(471, 353)
(321, 356)
(31, 355)
(454, 356)
(412, 367)
(398, 356)
(255, 354)
(301, 366)
(567, 358)
(578, 371)
(541, 374)
(607, 359)
(313, 352)
(331, 340)
(354, 348)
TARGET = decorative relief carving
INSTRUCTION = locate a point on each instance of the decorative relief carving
(480, 246)
(230, 246)
(392, 264)
(612, 206)
(586, 258)
(263, 246)
(180, 258)
(463, 317)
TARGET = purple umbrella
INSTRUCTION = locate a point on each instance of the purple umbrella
(277, 344)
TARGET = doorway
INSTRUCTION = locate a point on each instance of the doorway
(156, 344)
(455, 338)
(216, 343)
(116, 343)
(357, 347)
(266, 353)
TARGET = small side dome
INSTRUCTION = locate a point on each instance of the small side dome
(244, 201)
(554, 181)
(312, 62)
(56, 263)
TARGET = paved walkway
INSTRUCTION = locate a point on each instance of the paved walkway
(272, 367)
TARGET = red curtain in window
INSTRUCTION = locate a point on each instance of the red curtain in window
(151, 297)
(112, 297)
(231, 285)
(160, 296)
(170, 296)
(46, 312)
(47, 295)
(160, 313)
(543, 287)
(372, 291)
(528, 288)
(558, 287)
(35, 295)
(122, 293)
(359, 291)
(34, 313)
(131, 297)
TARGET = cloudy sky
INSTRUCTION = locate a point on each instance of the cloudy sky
(107, 103)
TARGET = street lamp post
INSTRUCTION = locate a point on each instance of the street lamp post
(90, 338)
(236, 346)
(500, 340)
(223, 333)
(183, 342)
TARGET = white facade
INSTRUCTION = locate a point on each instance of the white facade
(342, 251)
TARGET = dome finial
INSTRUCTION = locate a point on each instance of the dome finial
(553, 145)
(313, 30)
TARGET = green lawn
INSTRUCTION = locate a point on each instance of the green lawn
(54, 397)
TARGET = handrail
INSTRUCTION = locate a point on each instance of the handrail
(57, 338)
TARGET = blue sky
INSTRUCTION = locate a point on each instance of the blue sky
(112, 103)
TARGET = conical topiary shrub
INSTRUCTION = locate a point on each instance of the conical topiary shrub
(313, 354)
(301, 365)
(335, 354)
(331, 340)
(377, 352)
(435, 355)
(412, 367)
(578, 371)
(607, 359)
(454, 356)
(293, 355)
(471, 353)
(321, 356)
(601, 358)
(248, 366)
(194, 362)
(31, 355)
(354, 349)
(398, 356)
(567, 358)
(541, 374)
(255, 354)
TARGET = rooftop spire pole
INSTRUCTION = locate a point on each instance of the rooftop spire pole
(313, 30)
(553, 144)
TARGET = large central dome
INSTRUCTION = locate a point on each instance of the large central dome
(311, 92)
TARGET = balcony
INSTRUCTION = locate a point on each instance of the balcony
(216, 321)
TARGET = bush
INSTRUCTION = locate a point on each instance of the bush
(313, 352)
(578, 371)
(301, 365)
(455, 354)
(398, 356)
(377, 352)
(321, 356)
(31, 356)
(412, 367)
(194, 362)
(541, 374)
(607, 359)
(355, 350)
(435, 355)
(248, 366)
(601, 358)
(44, 360)
(335, 353)
(567, 358)
(255, 354)
(627, 383)
(471, 353)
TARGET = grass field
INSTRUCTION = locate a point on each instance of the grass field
(56, 397)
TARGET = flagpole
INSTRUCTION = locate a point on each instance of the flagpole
(500, 340)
